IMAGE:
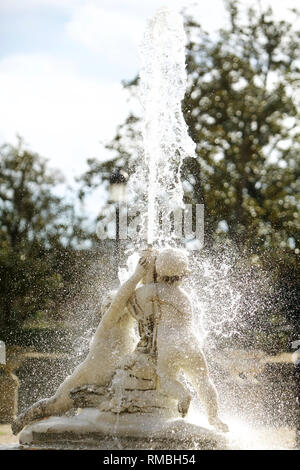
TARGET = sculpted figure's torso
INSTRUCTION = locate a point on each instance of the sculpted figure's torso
(169, 308)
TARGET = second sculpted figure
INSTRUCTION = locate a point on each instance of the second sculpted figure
(164, 304)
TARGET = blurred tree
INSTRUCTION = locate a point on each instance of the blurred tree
(38, 236)
(241, 110)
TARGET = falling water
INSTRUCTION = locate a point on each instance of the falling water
(166, 143)
(165, 136)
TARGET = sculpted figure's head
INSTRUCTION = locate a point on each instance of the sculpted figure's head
(172, 265)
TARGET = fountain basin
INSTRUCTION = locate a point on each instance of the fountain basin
(93, 429)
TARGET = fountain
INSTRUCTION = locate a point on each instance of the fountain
(127, 390)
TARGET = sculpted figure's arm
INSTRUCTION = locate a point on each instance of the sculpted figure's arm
(124, 293)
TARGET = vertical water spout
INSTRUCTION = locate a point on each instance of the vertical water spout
(165, 136)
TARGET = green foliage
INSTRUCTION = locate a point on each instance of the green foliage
(37, 231)
(241, 110)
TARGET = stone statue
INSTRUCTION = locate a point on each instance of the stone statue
(114, 338)
(166, 305)
(121, 376)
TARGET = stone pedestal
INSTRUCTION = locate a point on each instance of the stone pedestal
(130, 413)
(93, 429)
(133, 389)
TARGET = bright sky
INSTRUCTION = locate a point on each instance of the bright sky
(61, 66)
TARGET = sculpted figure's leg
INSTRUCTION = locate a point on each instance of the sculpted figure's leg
(168, 371)
(196, 370)
(56, 405)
